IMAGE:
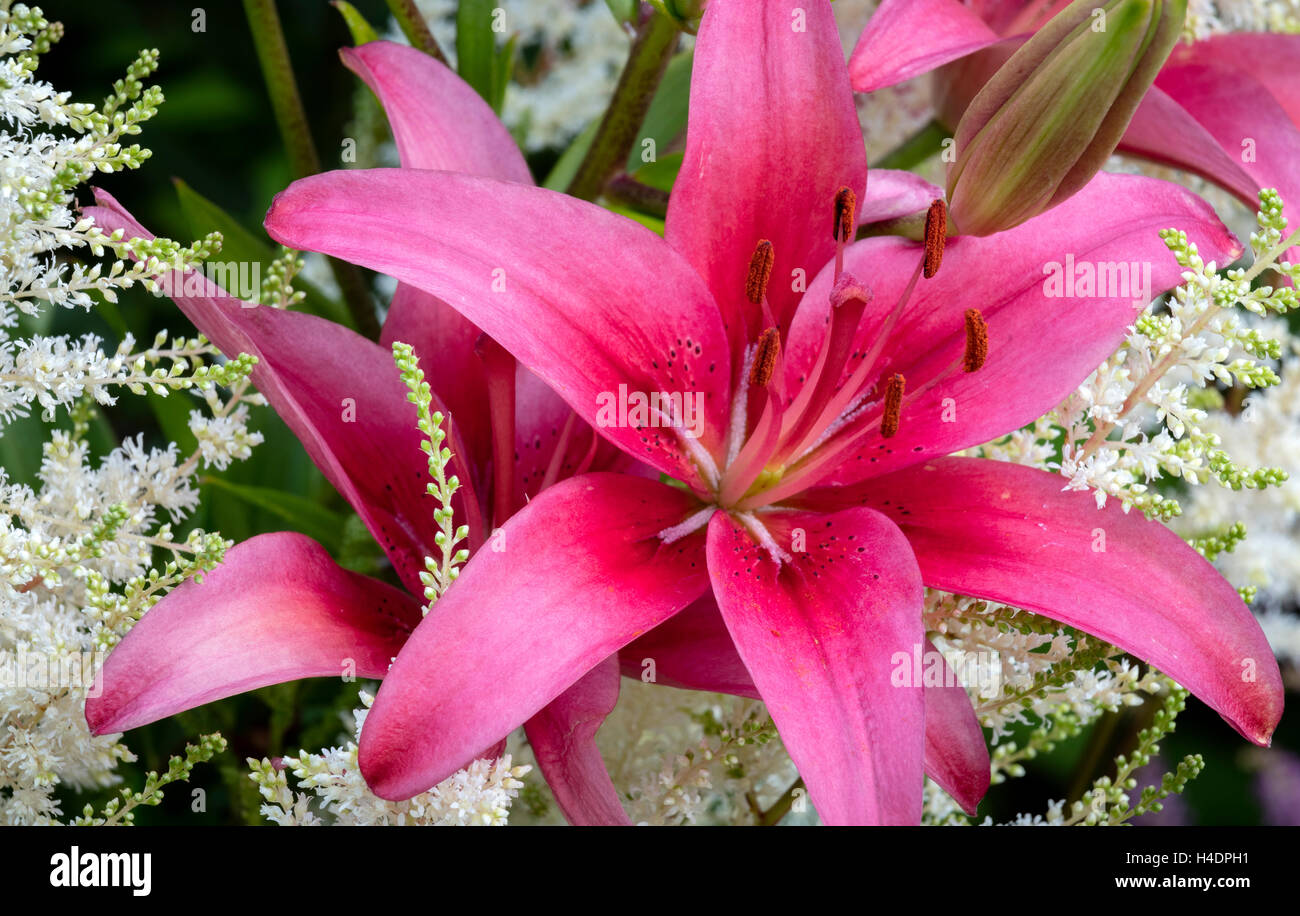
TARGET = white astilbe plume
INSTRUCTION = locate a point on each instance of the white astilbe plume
(694, 758)
(478, 796)
(1267, 428)
(1217, 17)
(86, 543)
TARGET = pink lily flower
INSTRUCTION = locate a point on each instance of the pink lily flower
(1226, 107)
(815, 502)
(278, 608)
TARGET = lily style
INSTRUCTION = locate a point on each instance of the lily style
(819, 500)
(1192, 118)
(278, 608)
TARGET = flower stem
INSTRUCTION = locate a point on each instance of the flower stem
(781, 807)
(626, 190)
(291, 118)
(651, 51)
(415, 28)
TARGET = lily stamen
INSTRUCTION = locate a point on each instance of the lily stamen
(759, 275)
(936, 232)
(767, 354)
(977, 341)
(893, 405)
(846, 208)
(760, 272)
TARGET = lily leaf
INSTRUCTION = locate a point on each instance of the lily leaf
(476, 48)
(666, 118)
(571, 158)
(302, 514)
(240, 245)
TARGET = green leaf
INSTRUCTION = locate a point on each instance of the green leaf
(173, 415)
(362, 31)
(505, 66)
(666, 117)
(240, 245)
(20, 447)
(359, 551)
(476, 46)
(661, 173)
(112, 315)
(302, 514)
(564, 170)
(653, 223)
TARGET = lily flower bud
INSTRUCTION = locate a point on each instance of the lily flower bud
(1047, 120)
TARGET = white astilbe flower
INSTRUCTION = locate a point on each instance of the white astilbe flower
(1217, 17)
(1142, 415)
(1267, 428)
(478, 796)
(1283, 631)
(79, 540)
(686, 757)
(1019, 668)
(223, 437)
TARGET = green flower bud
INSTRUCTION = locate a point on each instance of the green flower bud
(1049, 117)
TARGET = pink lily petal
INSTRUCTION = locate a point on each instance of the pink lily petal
(1260, 135)
(444, 341)
(568, 581)
(1008, 533)
(1011, 17)
(906, 38)
(277, 609)
(543, 425)
(693, 650)
(773, 135)
(893, 193)
(956, 756)
(821, 636)
(602, 302)
(1164, 131)
(563, 738)
(1272, 59)
(1005, 276)
(438, 120)
(343, 398)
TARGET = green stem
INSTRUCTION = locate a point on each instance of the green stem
(273, 55)
(415, 28)
(772, 816)
(626, 190)
(618, 130)
(291, 117)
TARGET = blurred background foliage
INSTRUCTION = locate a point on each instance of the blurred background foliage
(215, 140)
